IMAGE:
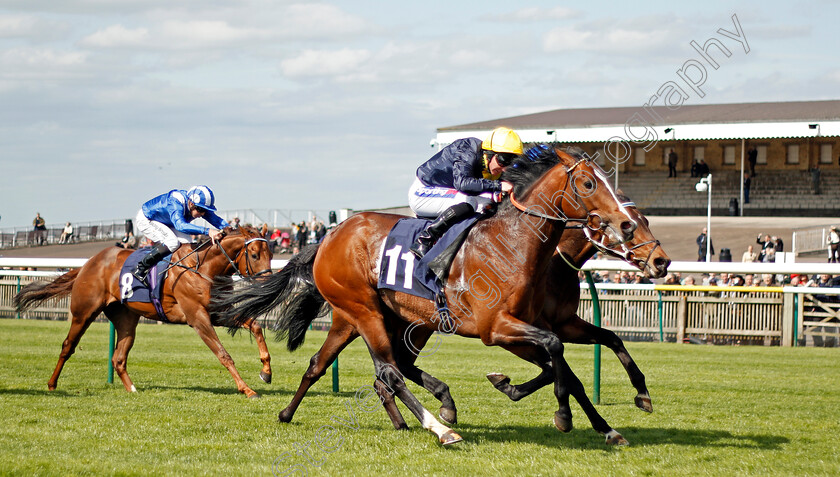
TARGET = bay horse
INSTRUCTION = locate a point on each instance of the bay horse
(560, 310)
(559, 315)
(96, 288)
(495, 282)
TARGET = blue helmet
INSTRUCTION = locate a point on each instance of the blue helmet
(202, 196)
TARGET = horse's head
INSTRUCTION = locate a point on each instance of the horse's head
(643, 250)
(574, 190)
(247, 250)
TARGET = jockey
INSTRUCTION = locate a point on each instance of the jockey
(166, 220)
(461, 178)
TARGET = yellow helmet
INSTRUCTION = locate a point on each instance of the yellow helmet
(503, 139)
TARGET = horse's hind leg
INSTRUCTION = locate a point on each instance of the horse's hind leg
(265, 358)
(125, 324)
(340, 335)
(575, 330)
(82, 318)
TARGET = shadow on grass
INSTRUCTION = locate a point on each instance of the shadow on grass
(589, 439)
(36, 392)
(262, 392)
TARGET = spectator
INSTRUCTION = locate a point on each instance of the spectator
(833, 241)
(671, 279)
(274, 240)
(767, 280)
(749, 255)
(766, 243)
(749, 280)
(129, 241)
(747, 182)
(672, 163)
(815, 179)
(695, 168)
(737, 281)
(66, 234)
(778, 244)
(40, 227)
(235, 224)
(701, 246)
(703, 168)
(752, 158)
(302, 235)
(689, 280)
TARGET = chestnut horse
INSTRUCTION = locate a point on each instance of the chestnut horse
(95, 288)
(495, 283)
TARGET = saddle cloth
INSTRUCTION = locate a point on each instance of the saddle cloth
(400, 270)
(133, 290)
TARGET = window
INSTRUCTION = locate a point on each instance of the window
(639, 159)
(699, 152)
(761, 157)
(825, 153)
(793, 153)
(729, 154)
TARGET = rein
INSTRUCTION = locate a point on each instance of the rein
(232, 261)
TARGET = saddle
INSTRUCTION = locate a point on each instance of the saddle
(133, 290)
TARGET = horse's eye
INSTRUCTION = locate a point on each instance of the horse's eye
(587, 185)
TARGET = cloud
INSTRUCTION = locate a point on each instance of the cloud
(311, 63)
(608, 39)
(116, 36)
(532, 14)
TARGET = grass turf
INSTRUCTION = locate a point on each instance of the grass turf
(717, 411)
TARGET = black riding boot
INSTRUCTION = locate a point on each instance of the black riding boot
(149, 261)
(435, 230)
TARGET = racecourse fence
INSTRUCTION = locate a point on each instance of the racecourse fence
(771, 316)
(14, 237)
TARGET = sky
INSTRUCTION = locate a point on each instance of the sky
(105, 104)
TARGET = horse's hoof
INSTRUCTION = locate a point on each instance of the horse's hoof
(450, 437)
(449, 416)
(254, 396)
(562, 423)
(402, 427)
(643, 402)
(498, 379)
(265, 377)
(616, 439)
(284, 416)
(51, 388)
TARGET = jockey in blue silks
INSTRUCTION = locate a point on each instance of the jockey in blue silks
(166, 221)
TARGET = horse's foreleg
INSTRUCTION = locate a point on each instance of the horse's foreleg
(205, 330)
(125, 324)
(574, 385)
(265, 358)
(508, 331)
(575, 330)
(340, 335)
(78, 327)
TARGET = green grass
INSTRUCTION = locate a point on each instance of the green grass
(717, 411)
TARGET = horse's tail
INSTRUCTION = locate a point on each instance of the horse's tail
(37, 292)
(293, 287)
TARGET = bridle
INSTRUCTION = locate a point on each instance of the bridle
(231, 261)
(248, 265)
(584, 223)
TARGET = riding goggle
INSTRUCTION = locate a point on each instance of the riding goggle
(505, 158)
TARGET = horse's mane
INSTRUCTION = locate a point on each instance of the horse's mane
(529, 167)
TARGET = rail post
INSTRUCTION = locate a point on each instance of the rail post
(682, 317)
(596, 320)
(112, 338)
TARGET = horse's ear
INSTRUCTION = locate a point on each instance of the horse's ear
(264, 229)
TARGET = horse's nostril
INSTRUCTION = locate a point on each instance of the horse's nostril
(628, 226)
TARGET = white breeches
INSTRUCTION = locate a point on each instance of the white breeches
(158, 232)
(430, 201)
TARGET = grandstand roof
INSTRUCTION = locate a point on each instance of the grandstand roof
(711, 121)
